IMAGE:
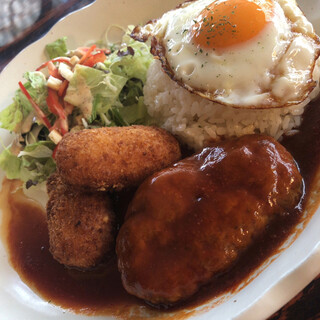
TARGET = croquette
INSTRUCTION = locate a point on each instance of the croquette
(115, 157)
(81, 225)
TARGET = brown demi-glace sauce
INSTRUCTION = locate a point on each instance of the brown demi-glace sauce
(100, 291)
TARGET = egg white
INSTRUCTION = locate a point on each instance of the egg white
(279, 67)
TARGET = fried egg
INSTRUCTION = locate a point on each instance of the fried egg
(241, 53)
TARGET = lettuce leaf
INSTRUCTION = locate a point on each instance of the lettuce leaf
(13, 117)
(131, 92)
(10, 164)
(135, 113)
(131, 65)
(33, 164)
(57, 48)
(93, 90)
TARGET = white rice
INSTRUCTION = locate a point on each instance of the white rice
(197, 121)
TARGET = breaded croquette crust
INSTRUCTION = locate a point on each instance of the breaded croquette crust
(81, 225)
(115, 157)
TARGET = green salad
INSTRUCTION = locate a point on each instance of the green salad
(89, 87)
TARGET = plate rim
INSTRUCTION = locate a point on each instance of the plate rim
(310, 262)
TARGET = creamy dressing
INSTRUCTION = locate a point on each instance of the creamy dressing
(80, 97)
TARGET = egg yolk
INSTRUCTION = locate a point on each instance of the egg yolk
(223, 24)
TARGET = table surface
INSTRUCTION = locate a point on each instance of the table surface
(16, 34)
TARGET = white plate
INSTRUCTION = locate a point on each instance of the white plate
(293, 269)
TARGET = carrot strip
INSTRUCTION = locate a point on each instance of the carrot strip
(87, 54)
(54, 104)
(55, 151)
(63, 88)
(93, 59)
(53, 71)
(64, 128)
(53, 60)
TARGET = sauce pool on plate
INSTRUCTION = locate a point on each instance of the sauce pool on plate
(99, 291)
